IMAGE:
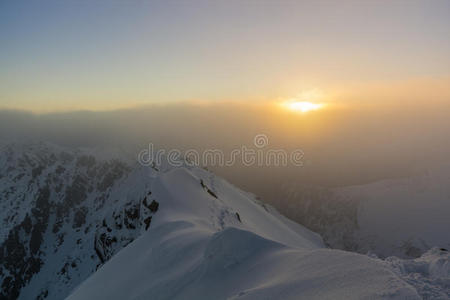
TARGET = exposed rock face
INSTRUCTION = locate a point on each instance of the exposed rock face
(63, 213)
(206, 188)
(153, 206)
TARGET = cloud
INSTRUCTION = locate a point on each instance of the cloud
(341, 145)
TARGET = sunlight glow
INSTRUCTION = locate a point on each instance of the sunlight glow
(303, 106)
(305, 101)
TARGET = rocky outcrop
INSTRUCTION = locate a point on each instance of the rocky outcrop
(63, 214)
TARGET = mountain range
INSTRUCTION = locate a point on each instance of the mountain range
(95, 224)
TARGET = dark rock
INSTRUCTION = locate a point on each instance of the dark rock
(60, 170)
(41, 214)
(147, 222)
(37, 171)
(64, 269)
(212, 193)
(75, 193)
(42, 295)
(238, 217)
(60, 239)
(79, 217)
(27, 224)
(111, 172)
(131, 216)
(153, 206)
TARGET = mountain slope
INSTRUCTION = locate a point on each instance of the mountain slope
(75, 221)
(64, 212)
(415, 213)
(397, 217)
(198, 248)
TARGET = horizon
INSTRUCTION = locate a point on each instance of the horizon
(65, 56)
(224, 149)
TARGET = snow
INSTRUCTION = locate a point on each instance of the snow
(66, 255)
(196, 248)
(429, 274)
(404, 217)
(207, 240)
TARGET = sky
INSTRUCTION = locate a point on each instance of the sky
(102, 55)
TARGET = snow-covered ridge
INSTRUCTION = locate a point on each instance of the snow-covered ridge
(226, 246)
(74, 223)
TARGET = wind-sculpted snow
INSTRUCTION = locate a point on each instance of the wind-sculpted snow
(429, 274)
(198, 249)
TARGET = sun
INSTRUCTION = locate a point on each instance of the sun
(303, 106)
(306, 101)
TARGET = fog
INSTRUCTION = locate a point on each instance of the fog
(342, 144)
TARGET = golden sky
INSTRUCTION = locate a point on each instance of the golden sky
(88, 55)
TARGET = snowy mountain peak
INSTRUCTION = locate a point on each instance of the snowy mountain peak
(74, 223)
